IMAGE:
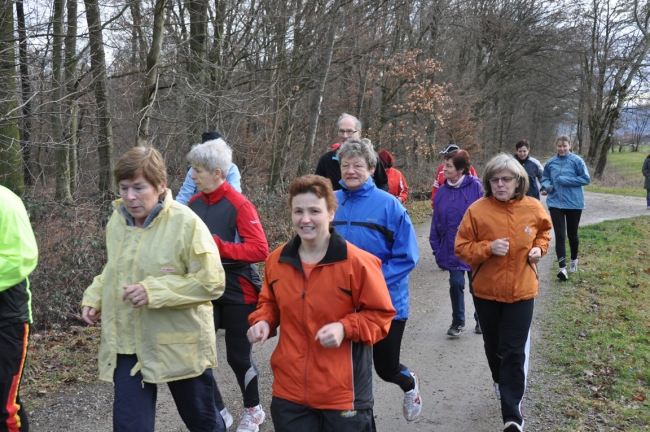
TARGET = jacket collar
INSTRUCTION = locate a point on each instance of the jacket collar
(363, 190)
(217, 194)
(162, 206)
(337, 250)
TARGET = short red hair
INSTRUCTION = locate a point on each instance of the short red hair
(386, 158)
(319, 186)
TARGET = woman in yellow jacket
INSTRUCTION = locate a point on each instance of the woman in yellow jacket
(502, 237)
(154, 298)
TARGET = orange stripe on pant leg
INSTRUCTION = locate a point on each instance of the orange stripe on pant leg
(13, 419)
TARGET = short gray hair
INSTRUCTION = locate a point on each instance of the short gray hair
(358, 147)
(357, 123)
(502, 162)
(211, 155)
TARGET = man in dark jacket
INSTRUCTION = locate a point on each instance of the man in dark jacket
(18, 258)
(532, 167)
(328, 165)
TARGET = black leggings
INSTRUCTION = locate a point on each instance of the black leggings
(233, 318)
(385, 354)
(563, 230)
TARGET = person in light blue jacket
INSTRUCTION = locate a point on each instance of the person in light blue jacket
(188, 190)
(564, 177)
(376, 222)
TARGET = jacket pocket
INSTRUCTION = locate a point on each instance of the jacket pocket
(178, 355)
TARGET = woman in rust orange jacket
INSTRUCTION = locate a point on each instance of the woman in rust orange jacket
(333, 304)
(396, 182)
(502, 237)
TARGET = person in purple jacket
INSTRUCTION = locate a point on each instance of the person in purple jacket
(453, 198)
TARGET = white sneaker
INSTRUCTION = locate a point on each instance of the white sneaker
(253, 418)
(512, 427)
(497, 392)
(413, 401)
(227, 417)
(562, 274)
(573, 266)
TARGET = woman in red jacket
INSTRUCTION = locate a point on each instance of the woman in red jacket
(396, 182)
(333, 304)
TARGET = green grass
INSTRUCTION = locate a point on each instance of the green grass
(597, 342)
(419, 211)
(622, 175)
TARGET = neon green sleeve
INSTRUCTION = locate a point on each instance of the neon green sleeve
(18, 248)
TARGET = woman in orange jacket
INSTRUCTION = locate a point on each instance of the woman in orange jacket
(396, 182)
(332, 302)
(502, 237)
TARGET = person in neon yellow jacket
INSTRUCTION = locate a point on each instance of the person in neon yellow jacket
(18, 258)
(154, 298)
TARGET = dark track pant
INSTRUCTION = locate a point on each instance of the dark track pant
(385, 355)
(291, 417)
(13, 351)
(506, 338)
(565, 224)
(233, 318)
(134, 407)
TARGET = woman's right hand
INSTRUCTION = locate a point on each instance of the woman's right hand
(259, 332)
(500, 246)
(90, 315)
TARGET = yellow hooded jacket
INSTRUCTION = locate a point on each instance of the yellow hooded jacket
(177, 262)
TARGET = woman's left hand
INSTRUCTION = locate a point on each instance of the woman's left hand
(136, 295)
(535, 255)
(331, 335)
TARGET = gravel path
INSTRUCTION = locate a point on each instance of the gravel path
(455, 380)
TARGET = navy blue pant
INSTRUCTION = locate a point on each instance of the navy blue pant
(385, 355)
(13, 351)
(291, 417)
(134, 407)
(565, 224)
(233, 318)
(506, 339)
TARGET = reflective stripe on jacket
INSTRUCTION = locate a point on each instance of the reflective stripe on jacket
(512, 277)
(177, 262)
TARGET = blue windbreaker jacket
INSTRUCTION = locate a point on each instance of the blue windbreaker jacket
(566, 175)
(376, 222)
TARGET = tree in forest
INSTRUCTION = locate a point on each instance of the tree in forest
(620, 41)
(11, 167)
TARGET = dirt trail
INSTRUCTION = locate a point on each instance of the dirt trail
(455, 380)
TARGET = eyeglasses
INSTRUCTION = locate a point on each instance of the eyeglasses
(347, 132)
(505, 180)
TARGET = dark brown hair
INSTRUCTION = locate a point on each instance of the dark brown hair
(318, 185)
(141, 160)
(460, 159)
(522, 143)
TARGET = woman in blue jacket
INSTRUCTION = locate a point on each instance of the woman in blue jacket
(376, 222)
(452, 200)
(563, 179)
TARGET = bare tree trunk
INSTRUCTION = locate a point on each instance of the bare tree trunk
(150, 87)
(72, 104)
(61, 149)
(303, 168)
(98, 67)
(26, 94)
(11, 168)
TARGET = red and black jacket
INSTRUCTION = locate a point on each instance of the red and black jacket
(238, 233)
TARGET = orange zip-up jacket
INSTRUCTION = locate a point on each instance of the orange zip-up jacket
(346, 286)
(397, 184)
(512, 277)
